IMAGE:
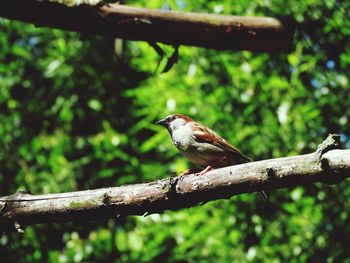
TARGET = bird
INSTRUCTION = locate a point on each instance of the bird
(201, 145)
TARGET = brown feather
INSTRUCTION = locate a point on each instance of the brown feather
(182, 116)
(207, 135)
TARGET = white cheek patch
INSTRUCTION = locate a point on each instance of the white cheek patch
(176, 124)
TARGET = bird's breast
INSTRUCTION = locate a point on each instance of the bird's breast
(182, 138)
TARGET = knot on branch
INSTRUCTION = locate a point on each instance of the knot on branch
(330, 143)
(330, 175)
(272, 173)
(169, 186)
(106, 198)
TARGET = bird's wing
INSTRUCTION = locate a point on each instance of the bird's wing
(204, 134)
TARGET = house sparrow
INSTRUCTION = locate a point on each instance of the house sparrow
(200, 145)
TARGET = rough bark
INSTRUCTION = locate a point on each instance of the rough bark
(169, 27)
(325, 165)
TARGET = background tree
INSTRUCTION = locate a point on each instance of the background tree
(77, 112)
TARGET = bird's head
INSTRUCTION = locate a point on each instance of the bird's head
(174, 121)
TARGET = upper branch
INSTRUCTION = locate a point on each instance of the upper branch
(174, 193)
(169, 27)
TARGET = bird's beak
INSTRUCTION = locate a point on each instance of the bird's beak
(162, 122)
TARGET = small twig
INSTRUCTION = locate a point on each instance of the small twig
(330, 143)
(18, 228)
(172, 60)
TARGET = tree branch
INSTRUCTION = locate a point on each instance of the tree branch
(169, 27)
(326, 165)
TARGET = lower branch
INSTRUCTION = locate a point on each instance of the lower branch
(325, 165)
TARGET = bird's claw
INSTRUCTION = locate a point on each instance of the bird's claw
(184, 174)
(207, 169)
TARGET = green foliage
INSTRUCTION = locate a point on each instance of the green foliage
(76, 115)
